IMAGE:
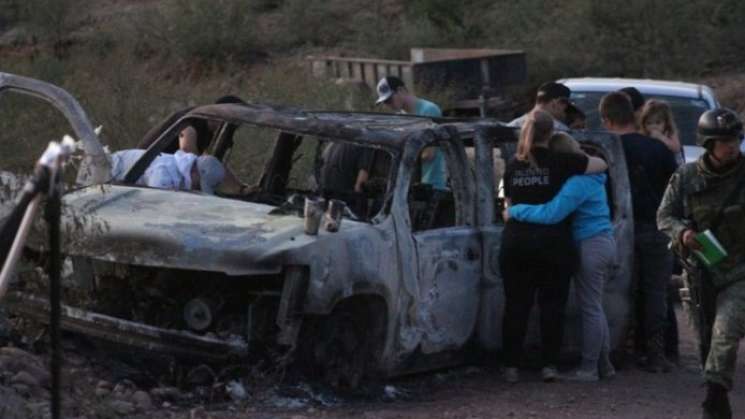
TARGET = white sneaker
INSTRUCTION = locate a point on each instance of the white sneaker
(549, 374)
(511, 375)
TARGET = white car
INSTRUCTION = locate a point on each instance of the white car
(688, 102)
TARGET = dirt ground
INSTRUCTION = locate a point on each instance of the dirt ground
(96, 387)
(633, 393)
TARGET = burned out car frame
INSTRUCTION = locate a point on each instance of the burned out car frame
(388, 294)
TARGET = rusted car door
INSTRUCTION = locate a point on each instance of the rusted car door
(95, 166)
(449, 265)
(489, 332)
(449, 261)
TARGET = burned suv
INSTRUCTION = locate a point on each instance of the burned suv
(408, 281)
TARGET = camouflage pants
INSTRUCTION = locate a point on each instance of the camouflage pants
(728, 330)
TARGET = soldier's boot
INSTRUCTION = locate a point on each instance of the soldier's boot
(716, 405)
(656, 361)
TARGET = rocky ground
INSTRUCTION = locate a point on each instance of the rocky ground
(99, 385)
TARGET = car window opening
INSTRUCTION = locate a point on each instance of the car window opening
(431, 200)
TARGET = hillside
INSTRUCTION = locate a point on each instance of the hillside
(132, 62)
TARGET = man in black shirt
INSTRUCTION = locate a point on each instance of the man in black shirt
(346, 168)
(650, 165)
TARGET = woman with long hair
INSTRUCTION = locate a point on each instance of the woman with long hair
(657, 121)
(584, 198)
(537, 261)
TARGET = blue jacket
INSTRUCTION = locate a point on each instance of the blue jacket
(584, 195)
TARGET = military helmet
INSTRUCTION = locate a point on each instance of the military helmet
(718, 123)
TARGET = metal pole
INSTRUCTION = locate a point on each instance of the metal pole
(48, 174)
(53, 223)
(19, 225)
(18, 243)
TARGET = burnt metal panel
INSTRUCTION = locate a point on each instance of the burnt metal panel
(95, 167)
(128, 333)
(162, 228)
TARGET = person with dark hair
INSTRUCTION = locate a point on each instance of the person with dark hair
(153, 133)
(346, 168)
(637, 100)
(393, 93)
(196, 136)
(537, 261)
(708, 195)
(650, 165)
(203, 128)
(552, 98)
(575, 118)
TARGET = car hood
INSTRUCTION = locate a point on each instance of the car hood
(184, 230)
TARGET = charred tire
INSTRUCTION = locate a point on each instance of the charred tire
(343, 348)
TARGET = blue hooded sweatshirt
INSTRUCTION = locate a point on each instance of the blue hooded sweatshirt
(584, 195)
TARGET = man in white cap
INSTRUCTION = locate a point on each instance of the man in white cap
(393, 93)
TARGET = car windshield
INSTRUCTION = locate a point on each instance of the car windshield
(685, 111)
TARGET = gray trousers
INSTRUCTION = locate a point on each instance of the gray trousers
(598, 254)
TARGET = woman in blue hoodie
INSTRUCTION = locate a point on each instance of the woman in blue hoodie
(585, 197)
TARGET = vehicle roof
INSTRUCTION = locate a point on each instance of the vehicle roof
(645, 86)
(382, 129)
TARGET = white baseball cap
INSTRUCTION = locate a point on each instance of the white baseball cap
(387, 86)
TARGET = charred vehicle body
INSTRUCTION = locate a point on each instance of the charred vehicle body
(410, 279)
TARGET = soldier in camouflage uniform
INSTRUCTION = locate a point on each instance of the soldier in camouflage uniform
(710, 194)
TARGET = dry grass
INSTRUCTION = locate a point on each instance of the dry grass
(128, 97)
(132, 62)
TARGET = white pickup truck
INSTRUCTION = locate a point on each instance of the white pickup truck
(688, 102)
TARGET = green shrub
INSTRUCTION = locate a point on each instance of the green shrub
(10, 13)
(446, 15)
(312, 22)
(50, 20)
(212, 29)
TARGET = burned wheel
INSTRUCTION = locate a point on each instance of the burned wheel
(343, 348)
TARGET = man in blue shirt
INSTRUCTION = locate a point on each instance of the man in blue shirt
(393, 93)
